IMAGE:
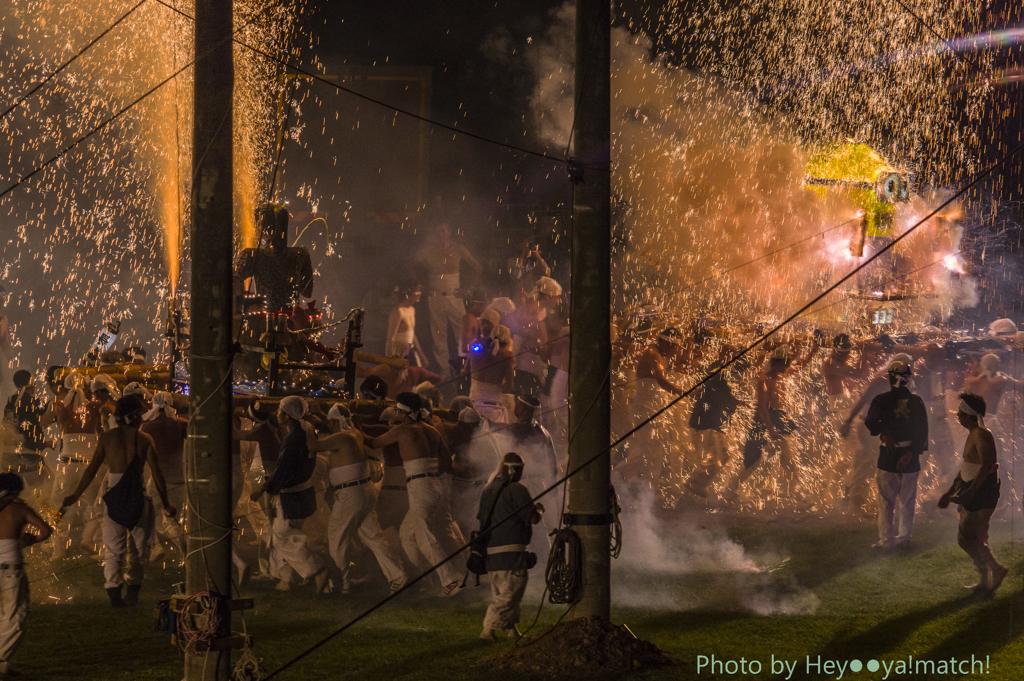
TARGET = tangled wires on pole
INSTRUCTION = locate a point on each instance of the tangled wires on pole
(198, 617)
(564, 572)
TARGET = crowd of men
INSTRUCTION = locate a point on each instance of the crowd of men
(345, 493)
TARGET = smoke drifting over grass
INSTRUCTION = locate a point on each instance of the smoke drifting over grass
(688, 563)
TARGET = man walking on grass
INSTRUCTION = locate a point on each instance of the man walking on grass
(976, 491)
(507, 506)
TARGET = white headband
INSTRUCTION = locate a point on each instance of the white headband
(294, 406)
(966, 408)
(334, 414)
(414, 414)
(163, 403)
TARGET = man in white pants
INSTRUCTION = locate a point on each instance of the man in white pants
(15, 603)
(443, 258)
(900, 419)
(292, 484)
(124, 449)
(421, 447)
(355, 500)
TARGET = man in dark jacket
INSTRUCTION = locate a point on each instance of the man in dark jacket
(292, 484)
(900, 419)
(507, 506)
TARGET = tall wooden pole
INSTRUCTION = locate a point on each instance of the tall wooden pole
(589, 504)
(208, 448)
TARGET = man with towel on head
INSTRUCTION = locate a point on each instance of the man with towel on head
(976, 491)
(292, 484)
(168, 432)
(492, 370)
(900, 420)
(129, 513)
(507, 507)
(425, 457)
(355, 500)
(99, 413)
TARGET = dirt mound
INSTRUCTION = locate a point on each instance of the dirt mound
(586, 648)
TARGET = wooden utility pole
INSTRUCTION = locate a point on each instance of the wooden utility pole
(208, 448)
(589, 490)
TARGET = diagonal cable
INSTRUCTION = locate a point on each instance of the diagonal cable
(405, 112)
(63, 152)
(63, 66)
(735, 358)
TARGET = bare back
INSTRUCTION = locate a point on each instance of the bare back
(15, 517)
(121, 445)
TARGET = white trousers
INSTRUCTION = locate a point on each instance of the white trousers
(14, 610)
(507, 589)
(354, 513)
(897, 495)
(116, 547)
(171, 527)
(418, 539)
(446, 313)
(289, 549)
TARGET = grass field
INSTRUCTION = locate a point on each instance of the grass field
(694, 592)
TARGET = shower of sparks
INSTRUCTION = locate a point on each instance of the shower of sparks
(102, 233)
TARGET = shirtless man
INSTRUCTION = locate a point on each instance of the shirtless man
(78, 441)
(402, 340)
(442, 258)
(470, 331)
(355, 500)
(168, 432)
(530, 339)
(772, 424)
(124, 450)
(492, 369)
(100, 410)
(976, 491)
(425, 458)
(15, 515)
(843, 383)
(985, 379)
(653, 391)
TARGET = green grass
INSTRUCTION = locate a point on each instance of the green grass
(868, 606)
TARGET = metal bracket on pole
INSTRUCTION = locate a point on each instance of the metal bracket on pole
(579, 519)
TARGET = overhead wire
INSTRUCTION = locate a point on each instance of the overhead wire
(405, 112)
(647, 421)
(68, 148)
(68, 63)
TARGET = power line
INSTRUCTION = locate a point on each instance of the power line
(735, 358)
(313, 76)
(20, 181)
(63, 66)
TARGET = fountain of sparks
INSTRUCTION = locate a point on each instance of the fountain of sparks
(718, 136)
(101, 232)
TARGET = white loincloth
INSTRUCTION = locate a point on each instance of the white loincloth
(487, 400)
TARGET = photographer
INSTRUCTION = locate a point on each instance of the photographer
(506, 506)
